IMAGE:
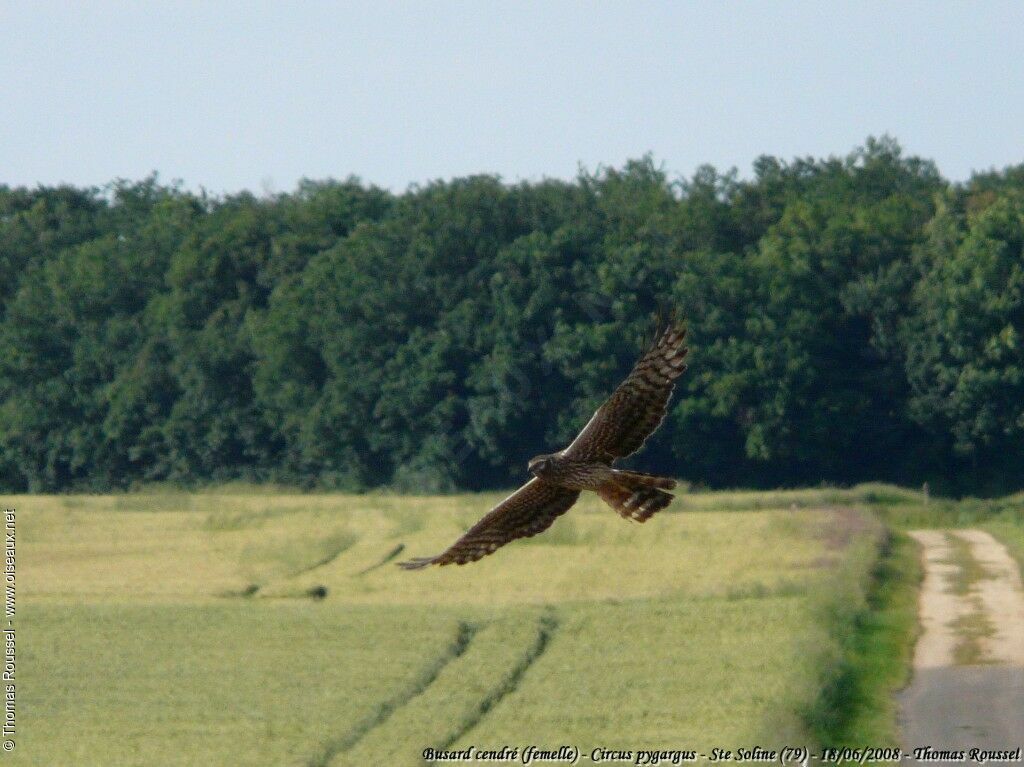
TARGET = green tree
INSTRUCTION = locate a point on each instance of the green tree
(965, 341)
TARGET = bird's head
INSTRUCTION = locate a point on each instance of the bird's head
(540, 465)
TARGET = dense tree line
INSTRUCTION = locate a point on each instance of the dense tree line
(851, 318)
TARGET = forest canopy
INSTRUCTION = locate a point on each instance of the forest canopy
(851, 318)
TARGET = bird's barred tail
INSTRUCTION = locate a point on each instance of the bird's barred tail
(638, 503)
(635, 479)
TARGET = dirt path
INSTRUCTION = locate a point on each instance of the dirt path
(968, 685)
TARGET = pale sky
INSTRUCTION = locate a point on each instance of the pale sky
(256, 95)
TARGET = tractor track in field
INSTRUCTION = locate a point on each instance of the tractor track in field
(325, 560)
(334, 748)
(390, 556)
(546, 629)
(315, 592)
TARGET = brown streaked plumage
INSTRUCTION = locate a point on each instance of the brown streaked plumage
(617, 429)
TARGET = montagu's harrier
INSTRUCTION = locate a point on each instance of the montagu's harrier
(618, 429)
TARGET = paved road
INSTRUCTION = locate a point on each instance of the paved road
(955, 707)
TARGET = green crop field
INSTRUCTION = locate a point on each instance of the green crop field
(258, 628)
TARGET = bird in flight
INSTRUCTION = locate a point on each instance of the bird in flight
(617, 429)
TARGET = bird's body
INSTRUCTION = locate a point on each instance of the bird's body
(618, 428)
(565, 472)
(631, 493)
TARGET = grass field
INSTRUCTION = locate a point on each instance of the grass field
(258, 628)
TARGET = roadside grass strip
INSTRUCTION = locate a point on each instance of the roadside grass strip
(975, 626)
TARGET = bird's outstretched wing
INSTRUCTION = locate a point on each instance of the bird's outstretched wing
(635, 410)
(529, 510)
